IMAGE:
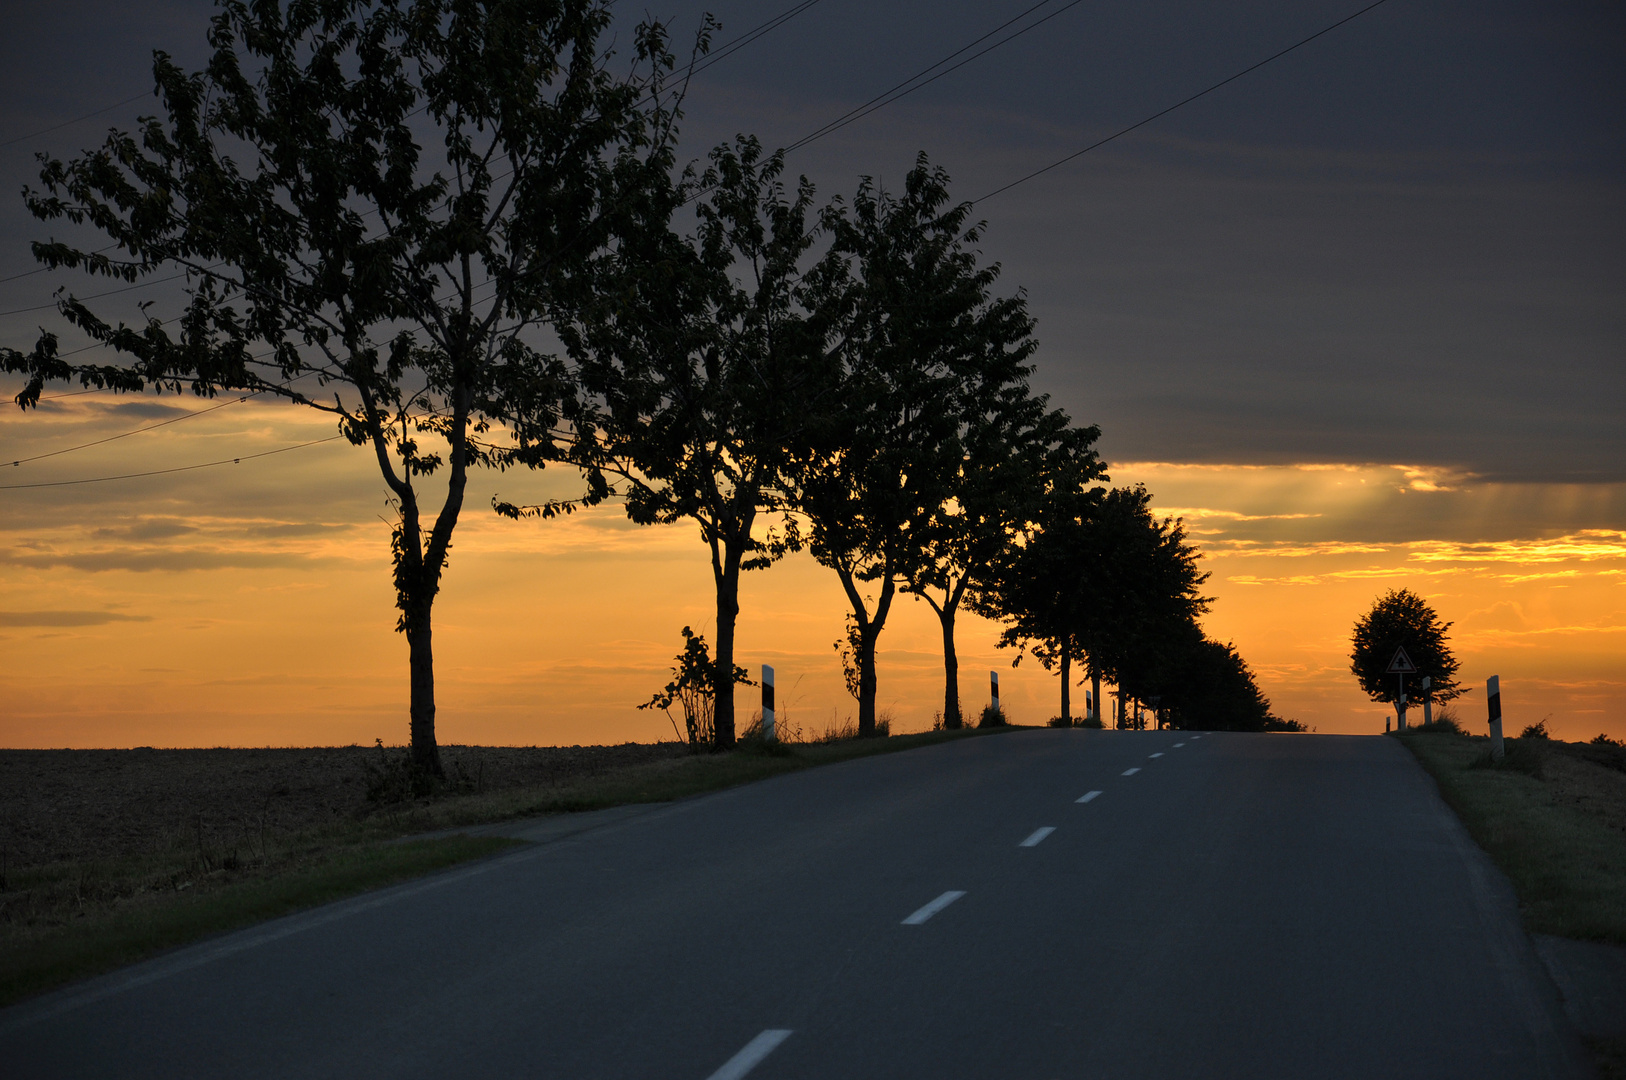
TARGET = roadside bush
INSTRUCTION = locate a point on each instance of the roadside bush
(1091, 722)
(992, 717)
(1538, 730)
(395, 777)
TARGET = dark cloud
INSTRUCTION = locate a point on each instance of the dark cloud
(1400, 243)
(145, 410)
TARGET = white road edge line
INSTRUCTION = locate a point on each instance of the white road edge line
(1037, 835)
(1132, 772)
(934, 907)
(1158, 754)
(1087, 796)
(751, 1055)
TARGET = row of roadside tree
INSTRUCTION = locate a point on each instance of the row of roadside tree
(464, 231)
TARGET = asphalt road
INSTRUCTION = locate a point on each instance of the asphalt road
(1227, 906)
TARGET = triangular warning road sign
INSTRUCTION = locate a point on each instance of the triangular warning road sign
(1401, 664)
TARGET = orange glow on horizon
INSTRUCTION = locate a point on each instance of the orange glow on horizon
(251, 605)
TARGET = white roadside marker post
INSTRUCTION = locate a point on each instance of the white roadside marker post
(1428, 701)
(993, 688)
(767, 704)
(1089, 706)
(1493, 701)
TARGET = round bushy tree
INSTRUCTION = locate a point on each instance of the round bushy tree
(1400, 619)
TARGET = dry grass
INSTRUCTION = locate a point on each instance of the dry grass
(1553, 818)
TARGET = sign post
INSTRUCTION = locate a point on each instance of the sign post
(767, 704)
(1493, 701)
(1400, 667)
(1428, 701)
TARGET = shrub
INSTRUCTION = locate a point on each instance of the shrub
(1091, 722)
(991, 717)
(1604, 740)
(1538, 730)
(1445, 720)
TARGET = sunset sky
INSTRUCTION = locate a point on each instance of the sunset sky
(1358, 318)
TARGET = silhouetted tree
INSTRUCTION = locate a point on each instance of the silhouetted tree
(909, 326)
(1204, 685)
(332, 261)
(1402, 619)
(1040, 586)
(695, 357)
(1101, 580)
(1017, 456)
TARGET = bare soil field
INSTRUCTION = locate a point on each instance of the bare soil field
(73, 805)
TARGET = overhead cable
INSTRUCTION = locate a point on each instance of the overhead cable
(1184, 101)
(881, 101)
(177, 469)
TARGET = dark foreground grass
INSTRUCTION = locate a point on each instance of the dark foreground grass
(69, 920)
(1551, 830)
(104, 937)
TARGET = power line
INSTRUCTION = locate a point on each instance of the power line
(42, 269)
(729, 48)
(98, 296)
(137, 431)
(882, 100)
(177, 469)
(1182, 102)
(75, 120)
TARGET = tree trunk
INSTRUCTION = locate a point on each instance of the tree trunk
(1067, 683)
(420, 645)
(951, 669)
(728, 612)
(867, 633)
(1095, 687)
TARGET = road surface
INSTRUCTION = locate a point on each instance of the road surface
(1055, 904)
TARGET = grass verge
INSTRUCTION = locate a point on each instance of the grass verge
(1547, 821)
(104, 937)
(663, 781)
(69, 920)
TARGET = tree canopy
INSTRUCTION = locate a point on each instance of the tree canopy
(1402, 619)
(1100, 580)
(913, 337)
(334, 260)
(694, 360)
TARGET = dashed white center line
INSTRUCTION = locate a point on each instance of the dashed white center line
(751, 1055)
(1087, 796)
(1038, 835)
(1132, 772)
(1196, 736)
(1158, 754)
(1178, 745)
(934, 907)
